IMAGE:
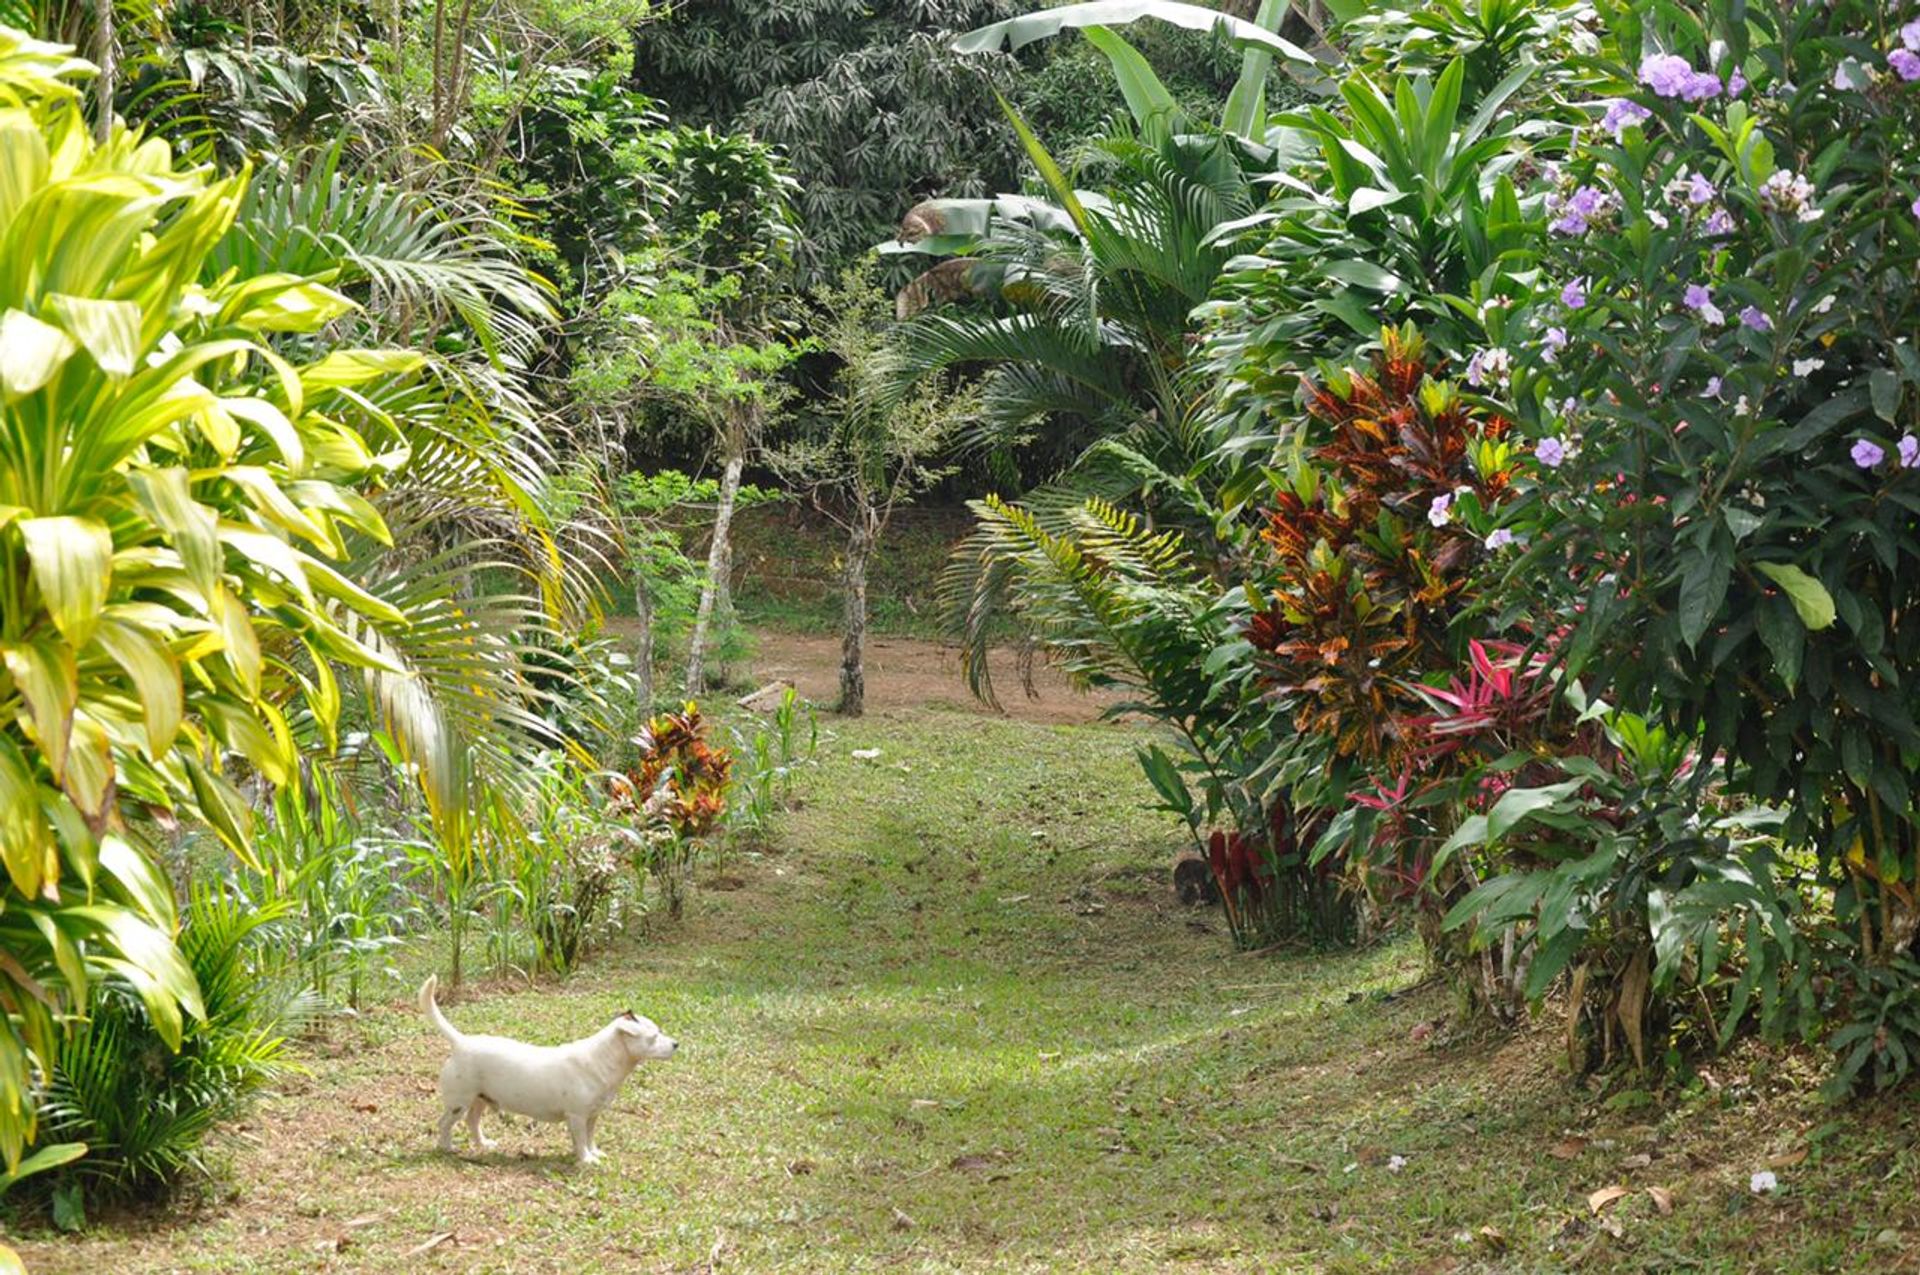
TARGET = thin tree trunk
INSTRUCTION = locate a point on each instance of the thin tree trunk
(719, 557)
(103, 55)
(853, 645)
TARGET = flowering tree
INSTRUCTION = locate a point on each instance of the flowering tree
(1721, 386)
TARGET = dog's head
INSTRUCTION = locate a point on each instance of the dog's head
(642, 1038)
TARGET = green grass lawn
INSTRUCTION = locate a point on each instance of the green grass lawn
(953, 1020)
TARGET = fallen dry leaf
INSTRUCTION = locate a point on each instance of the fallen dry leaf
(1606, 1195)
(970, 1163)
(1567, 1148)
(365, 1219)
(1492, 1239)
(1640, 1161)
(1787, 1159)
(432, 1242)
(901, 1221)
(367, 1107)
(800, 1167)
(1662, 1199)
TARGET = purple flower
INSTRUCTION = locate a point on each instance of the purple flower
(1713, 388)
(1849, 75)
(1909, 452)
(1554, 342)
(1585, 205)
(1867, 455)
(1736, 83)
(1439, 513)
(1622, 114)
(1699, 299)
(1494, 365)
(1551, 452)
(1720, 223)
(1664, 73)
(1906, 64)
(1916, 208)
(1910, 35)
(1574, 295)
(1752, 317)
(1699, 189)
(1499, 539)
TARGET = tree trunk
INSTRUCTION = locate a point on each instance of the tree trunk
(103, 56)
(853, 645)
(719, 558)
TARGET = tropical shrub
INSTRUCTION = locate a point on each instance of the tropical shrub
(679, 789)
(143, 1107)
(172, 487)
(1719, 381)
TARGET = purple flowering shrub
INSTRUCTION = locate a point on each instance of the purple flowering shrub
(1719, 368)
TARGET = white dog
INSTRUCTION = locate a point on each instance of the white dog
(572, 1082)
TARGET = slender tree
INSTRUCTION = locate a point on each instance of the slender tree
(869, 453)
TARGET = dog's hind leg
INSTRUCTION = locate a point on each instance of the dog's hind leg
(449, 1116)
(476, 1109)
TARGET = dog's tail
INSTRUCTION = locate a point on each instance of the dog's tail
(431, 1008)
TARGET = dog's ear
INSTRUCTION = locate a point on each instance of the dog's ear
(627, 1013)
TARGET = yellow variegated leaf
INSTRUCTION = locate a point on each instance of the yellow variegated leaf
(145, 884)
(242, 644)
(25, 841)
(223, 810)
(45, 675)
(272, 422)
(343, 368)
(73, 565)
(275, 503)
(191, 527)
(89, 776)
(155, 675)
(31, 353)
(108, 330)
(270, 553)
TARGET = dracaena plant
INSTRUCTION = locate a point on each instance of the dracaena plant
(173, 490)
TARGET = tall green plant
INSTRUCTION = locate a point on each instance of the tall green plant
(174, 493)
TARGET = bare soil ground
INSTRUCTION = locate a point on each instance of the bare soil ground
(906, 673)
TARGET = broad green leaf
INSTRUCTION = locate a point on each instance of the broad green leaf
(1703, 587)
(1810, 599)
(1883, 384)
(1784, 636)
(1518, 804)
(1155, 110)
(73, 566)
(48, 1157)
(192, 528)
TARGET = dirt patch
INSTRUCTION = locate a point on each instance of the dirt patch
(910, 673)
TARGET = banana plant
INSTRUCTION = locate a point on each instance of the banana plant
(1153, 107)
(175, 495)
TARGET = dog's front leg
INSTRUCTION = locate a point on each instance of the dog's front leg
(581, 1127)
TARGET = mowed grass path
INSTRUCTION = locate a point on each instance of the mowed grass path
(952, 1020)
